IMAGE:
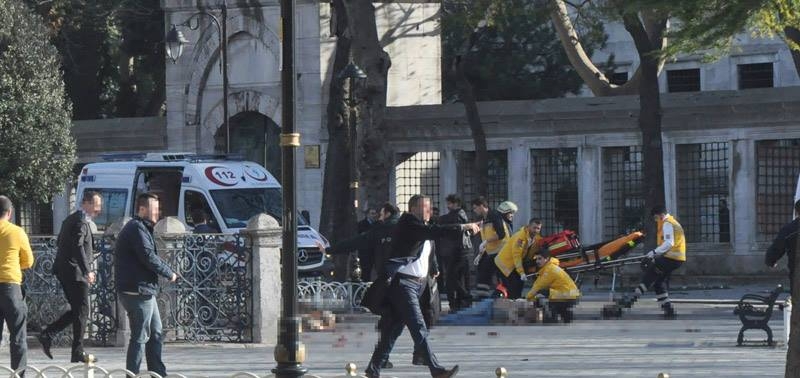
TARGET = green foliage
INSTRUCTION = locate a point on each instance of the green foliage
(710, 25)
(36, 149)
(517, 55)
(113, 54)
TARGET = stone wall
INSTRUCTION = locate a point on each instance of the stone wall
(738, 120)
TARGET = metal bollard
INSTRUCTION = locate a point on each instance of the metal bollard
(501, 372)
(350, 368)
(663, 375)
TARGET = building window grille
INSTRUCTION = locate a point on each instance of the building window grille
(683, 80)
(35, 218)
(417, 173)
(703, 192)
(758, 75)
(778, 169)
(554, 191)
(623, 199)
(497, 179)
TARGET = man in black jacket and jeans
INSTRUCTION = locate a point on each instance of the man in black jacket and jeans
(408, 268)
(73, 269)
(137, 267)
(454, 252)
(786, 244)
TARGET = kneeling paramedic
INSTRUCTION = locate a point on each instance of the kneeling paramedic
(553, 289)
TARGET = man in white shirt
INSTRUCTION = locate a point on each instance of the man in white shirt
(408, 267)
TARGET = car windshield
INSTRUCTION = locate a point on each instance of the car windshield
(237, 206)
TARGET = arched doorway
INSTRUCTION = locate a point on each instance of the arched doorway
(256, 137)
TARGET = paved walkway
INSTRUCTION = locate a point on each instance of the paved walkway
(700, 343)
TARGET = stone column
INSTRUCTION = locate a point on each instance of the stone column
(590, 198)
(61, 208)
(743, 204)
(448, 177)
(265, 234)
(519, 185)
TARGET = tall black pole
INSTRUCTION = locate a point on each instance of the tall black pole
(224, 47)
(290, 352)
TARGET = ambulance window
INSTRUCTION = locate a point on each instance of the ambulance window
(114, 201)
(163, 182)
(194, 202)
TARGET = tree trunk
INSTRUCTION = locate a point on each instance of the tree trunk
(793, 352)
(594, 78)
(467, 95)
(376, 162)
(337, 220)
(647, 33)
(793, 34)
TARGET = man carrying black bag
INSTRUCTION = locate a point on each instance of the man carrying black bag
(406, 270)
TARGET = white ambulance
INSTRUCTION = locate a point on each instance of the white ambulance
(229, 191)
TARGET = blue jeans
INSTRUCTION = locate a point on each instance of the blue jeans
(146, 333)
(404, 294)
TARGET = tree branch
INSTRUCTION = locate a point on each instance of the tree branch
(594, 78)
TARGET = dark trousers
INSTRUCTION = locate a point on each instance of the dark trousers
(14, 312)
(487, 270)
(404, 294)
(77, 293)
(657, 276)
(457, 269)
(513, 284)
(366, 263)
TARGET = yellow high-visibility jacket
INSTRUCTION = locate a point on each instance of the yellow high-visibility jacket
(488, 231)
(559, 283)
(518, 248)
(678, 250)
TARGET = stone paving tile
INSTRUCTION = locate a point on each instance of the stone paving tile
(699, 344)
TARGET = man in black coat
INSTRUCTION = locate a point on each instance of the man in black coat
(366, 253)
(454, 252)
(73, 269)
(786, 244)
(407, 268)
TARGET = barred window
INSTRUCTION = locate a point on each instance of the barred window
(417, 173)
(757, 75)
(497, 179)
(778, 168)
(703, 192)
(623, 198)
(35, 218)
(554, 192)
(683, 80)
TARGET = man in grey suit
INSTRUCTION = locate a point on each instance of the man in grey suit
(73, 269)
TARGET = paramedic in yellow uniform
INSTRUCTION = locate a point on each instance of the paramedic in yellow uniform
(668, 256)
(521, 245)
(494, 233)
(553, 288)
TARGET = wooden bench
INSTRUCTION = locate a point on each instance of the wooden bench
(755, 311)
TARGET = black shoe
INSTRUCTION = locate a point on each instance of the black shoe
(418, 360)
(447, 373)
(84, 357)
(370, 375)
(627, 301)
(669, 311)
(46, 342)
(387, 365)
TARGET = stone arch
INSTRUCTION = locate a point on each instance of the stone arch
(239, 102)
(206, 55)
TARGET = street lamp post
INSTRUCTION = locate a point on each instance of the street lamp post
(353, 76)
(176, 41)
(290, 353)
